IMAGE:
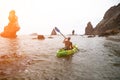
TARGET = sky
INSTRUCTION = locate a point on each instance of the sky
(41, 16)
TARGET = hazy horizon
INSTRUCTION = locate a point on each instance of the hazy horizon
(36, 16)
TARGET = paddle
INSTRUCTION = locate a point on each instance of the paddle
(59, 31)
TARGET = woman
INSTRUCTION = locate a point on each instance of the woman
(68, 44)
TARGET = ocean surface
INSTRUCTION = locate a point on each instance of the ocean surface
(28, 58)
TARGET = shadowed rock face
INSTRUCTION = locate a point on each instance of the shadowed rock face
(110, 22)
(11, 29)
(89, 29)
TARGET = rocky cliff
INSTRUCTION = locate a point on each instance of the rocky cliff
(110, 24)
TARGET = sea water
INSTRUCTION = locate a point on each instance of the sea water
(98, 59)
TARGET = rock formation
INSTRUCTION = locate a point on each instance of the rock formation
(11, 29)
(73, 32)
(41, 37)
(53, 32)
(110, 24)
(89, 29)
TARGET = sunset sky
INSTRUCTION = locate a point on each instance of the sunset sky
(41, 16)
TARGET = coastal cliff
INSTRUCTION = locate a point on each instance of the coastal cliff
(110, 24)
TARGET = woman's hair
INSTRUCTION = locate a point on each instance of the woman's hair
(69, 38)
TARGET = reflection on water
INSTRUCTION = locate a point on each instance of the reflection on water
(11, 59)
(9, 46)
(98, 59)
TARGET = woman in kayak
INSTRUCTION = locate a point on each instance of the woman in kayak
(68, 44)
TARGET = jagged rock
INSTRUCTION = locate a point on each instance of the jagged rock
(41, 37)
(89, 29)
(11, 29)
(53, 32)
(110, 22)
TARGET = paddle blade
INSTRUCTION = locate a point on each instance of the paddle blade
(57, 29)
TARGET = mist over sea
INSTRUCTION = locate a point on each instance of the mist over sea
(98, 59)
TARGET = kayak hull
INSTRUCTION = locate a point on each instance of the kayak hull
(64, 53)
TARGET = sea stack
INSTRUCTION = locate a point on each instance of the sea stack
(53, 32)
(12, 28)
(89, 29)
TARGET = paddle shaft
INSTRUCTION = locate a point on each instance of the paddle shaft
(59, 31)
(62, 34)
